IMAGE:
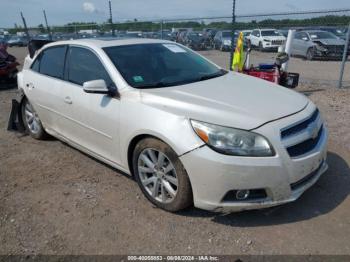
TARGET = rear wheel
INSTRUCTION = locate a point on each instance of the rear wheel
(32, 122)
(161, 175)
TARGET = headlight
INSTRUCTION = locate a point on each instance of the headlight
(231, 141)
(267, 40)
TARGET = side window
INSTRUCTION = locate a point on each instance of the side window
(305, 37)
(83, 66)
(298, 36)
(36, 65)
(52, 61)
(255, 33)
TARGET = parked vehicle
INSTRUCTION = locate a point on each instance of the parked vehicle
(317, 44)
(195, 40)
(337, 31)
(246, 34)
(189, 131)
(266, 39)
(17, 41)
(8, 65)
(222, 40)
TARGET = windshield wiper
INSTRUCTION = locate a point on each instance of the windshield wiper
(217, 74)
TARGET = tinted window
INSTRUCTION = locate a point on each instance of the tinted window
(160, 65)
(322, 35)
(36, 65)
(226, 34)
(84, 65)
(52, 61)
(270, 33)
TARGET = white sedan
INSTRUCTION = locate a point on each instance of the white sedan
(189, 132)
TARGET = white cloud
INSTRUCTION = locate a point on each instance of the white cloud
(89, 7)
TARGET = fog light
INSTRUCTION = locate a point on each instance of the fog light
(242, 194)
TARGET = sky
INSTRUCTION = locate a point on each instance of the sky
(60, 12)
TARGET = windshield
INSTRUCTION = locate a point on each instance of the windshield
(160, 65)
(270, 33)
(322, 35)
(226, 34)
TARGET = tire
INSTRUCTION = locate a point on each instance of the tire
(261, 48)
(310, 54)
(166, 183)
(32, 123)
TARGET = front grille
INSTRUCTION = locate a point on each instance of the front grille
(304, 181)
(300, 127)
(277, 42)
(305, 146)
(335, 49)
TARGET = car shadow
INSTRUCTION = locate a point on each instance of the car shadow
(328, 193)
(311, 91)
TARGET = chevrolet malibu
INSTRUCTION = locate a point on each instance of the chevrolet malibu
(189, 132)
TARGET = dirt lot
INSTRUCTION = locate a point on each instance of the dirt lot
(56, 200)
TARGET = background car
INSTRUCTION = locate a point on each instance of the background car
(194, 40)
(222, 40)
(337, 31)
(17, 41)
(266, 39)
(317, 44)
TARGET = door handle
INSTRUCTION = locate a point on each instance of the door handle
(68, 100)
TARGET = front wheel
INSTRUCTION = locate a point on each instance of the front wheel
(161, 175)
(32, 122)
(310, 54)
(261, 47)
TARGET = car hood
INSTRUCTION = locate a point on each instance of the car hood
(330, 41)
(234, 100)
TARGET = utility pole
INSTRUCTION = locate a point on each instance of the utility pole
(47, 25)
(25, 27)
(345, 58)
(111, 18)
(233, 32)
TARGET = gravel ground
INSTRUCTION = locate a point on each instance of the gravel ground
(57, 200)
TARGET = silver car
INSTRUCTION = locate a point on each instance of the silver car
(189, 131)
(317, 44)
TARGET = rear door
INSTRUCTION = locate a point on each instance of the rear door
(90, 120)
(42, 82)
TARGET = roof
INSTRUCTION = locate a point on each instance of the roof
(107, 42)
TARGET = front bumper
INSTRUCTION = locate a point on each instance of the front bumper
(213, 175)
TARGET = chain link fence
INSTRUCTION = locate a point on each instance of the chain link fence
(324, 32)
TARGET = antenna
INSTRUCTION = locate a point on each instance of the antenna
(111, 18)
(47, 25)
(233, 32)
(25, 26)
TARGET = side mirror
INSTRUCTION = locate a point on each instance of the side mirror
(96, 86)
(305, 39)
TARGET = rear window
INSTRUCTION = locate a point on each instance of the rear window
(52, 61)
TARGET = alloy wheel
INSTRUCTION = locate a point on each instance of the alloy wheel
(157, 175)
(32, 118)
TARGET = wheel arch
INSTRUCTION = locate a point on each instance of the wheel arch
(134, 141)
